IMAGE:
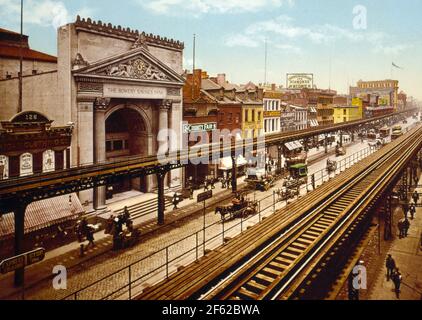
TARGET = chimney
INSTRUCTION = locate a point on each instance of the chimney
(273, 87)
(221, 79)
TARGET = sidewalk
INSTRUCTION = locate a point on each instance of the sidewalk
(407, 253)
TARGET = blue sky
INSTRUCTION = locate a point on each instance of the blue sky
(302, 35)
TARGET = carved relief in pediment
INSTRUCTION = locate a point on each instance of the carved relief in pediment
(135, 68)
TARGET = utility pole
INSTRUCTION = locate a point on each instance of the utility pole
(266, 60)
(20, 106)
(193, 66)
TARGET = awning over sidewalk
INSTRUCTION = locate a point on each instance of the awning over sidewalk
(43, 214)
(226, 163)
(293, 145)
(313, 123)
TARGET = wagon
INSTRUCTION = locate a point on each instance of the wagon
(239, 208)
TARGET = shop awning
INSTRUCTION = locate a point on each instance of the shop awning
(43, 214)
(293, 145)
(313, 123)
(226, 163)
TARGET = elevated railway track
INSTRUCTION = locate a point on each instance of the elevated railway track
(294, 253)
(41, 186)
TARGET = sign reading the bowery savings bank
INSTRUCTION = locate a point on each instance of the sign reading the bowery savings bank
(300, 80)
(137, 92)
(199, 127)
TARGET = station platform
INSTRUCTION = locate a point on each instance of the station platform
(407, 253)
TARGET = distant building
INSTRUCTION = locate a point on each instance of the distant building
(272, 110)
(385, 90)
(34, 62)
(347, 113)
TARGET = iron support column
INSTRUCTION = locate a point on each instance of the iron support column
(160, 199)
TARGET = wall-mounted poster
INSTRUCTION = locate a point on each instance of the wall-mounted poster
(4, 167)
(48, 163)
(26, 166)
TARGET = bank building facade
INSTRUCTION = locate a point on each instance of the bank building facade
(116, 88)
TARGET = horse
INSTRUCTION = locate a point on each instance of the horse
(223, 211)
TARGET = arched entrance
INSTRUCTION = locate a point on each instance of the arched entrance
(126, 135)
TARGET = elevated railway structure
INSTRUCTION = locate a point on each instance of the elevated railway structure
(17, 193)
(298, 252)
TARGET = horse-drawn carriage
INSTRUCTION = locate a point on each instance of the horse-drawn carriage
(239, 208)
(284, 195)
(298, 175)
(331, 165)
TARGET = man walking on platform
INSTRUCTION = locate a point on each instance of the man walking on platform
(390, 265)
(415, 197)
(397, 282)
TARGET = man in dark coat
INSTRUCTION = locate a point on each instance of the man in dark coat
(406, 226)
(415, 197)
(397, 278)
(390, 264)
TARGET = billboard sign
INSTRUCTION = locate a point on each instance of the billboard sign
(300, 80)
(199, 127)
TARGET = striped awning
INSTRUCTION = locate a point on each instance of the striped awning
(43, 214)
(293, 145)
(313, 123)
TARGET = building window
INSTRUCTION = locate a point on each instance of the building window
(109, 146)
(253, 115)
(118, 145)
(221, 116)
(246, 116)
(259, 116)
(230, 117)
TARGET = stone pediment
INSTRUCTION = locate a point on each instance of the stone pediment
(137, 64)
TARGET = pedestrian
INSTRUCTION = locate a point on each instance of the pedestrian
(406, 226)
(397, 278)
(212, 183)
(401, 229)
(191, 193)
(126, 214)
(90, 237)
(415, 197)
(391, 266)
(412, 211)
(206, 185)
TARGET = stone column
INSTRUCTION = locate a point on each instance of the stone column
(175, 120)
(84, 141)
(163, 124)
(100, 107)
(163, 121)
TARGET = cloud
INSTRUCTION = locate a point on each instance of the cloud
(289, 48)
(241, 40)
(288, 35)
(46, 13)
(391, 50)
(198, 7)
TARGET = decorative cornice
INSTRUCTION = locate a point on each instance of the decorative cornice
(127, 33)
